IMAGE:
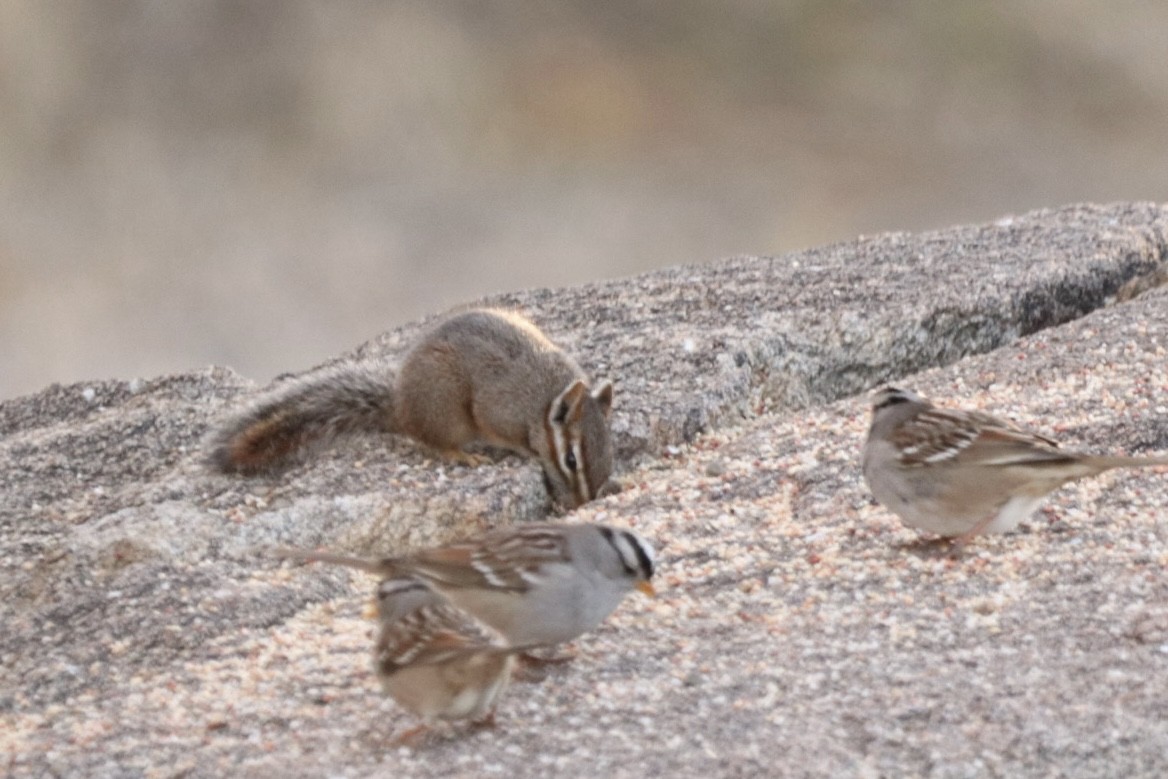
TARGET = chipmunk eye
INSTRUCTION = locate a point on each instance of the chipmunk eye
(570, 461)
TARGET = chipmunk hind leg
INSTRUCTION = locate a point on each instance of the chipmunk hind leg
(434, 402)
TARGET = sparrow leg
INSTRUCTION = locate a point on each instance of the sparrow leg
(413, 737)
(537, 660)
(534, 668)
(487, 720)
(960, 541)
(925, 544)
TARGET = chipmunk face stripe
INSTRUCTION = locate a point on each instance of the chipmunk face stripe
(576, 463)
(566, 443)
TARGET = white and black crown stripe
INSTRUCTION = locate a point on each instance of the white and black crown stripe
(390, 588)
(891, 396)
(635, 554)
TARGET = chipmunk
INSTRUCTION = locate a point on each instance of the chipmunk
(482, 376)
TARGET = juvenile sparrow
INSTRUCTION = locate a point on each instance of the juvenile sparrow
(961, 473)
(537, 585)
(434, 659)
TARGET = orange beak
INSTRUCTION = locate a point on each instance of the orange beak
(647, 588)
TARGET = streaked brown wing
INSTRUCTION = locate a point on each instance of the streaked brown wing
(986, 422)
(1011, 446)
(432, 634)
(940, 435)
(500, 561)
(934, 435)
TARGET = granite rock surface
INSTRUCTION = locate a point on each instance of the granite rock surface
(800, 630)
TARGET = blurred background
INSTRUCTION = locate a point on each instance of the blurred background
(266, 184)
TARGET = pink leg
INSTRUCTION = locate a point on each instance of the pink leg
(412, 737)
(960, 541)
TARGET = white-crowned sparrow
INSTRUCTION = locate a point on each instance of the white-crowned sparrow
(537, 585)
(960, 473)
(434, 659)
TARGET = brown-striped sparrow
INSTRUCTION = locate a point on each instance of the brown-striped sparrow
(961, 473)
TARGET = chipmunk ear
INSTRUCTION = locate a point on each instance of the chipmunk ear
(567, 407)
(603, 397)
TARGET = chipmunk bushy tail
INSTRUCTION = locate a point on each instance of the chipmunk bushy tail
(311, 411)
